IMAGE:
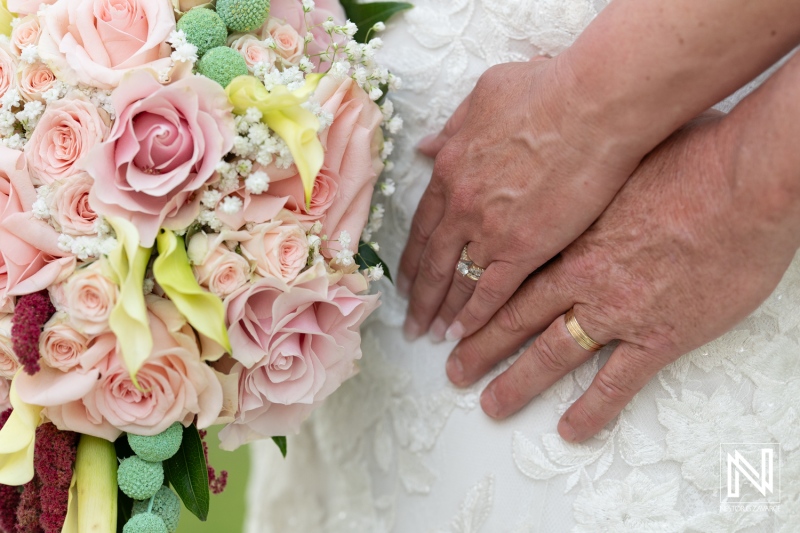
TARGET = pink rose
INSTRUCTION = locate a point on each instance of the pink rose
(8, 360)
(295, 345)
(27, 7)
(33, 79)
(322, 196)
(60, 345)
(25, 33)
(278, 248)
(288, 43)
(164, 146)
(352, 161)
(97, 42)
(101, 400)
(68, 129)
(216, 267)
(8, 68)
(291, 12)
(30, 259)
(252, 49)
(87, 297)
(68, 202)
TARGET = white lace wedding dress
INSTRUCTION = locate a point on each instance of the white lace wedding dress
(398, 449)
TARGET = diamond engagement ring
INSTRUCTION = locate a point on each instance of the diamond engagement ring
(467, 268)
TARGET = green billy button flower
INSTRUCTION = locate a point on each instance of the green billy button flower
(204, 29)
(222, 64)
(145, 523)
(166, 506)
(242, 16)
(158, 447)
(140, 479)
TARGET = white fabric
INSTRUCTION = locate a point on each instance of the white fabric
(398, 449)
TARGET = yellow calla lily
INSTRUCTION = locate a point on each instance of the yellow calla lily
(17, 439)
(282, 111)
(204, 311)
(128, 320)
(92, 502)
(5, 19)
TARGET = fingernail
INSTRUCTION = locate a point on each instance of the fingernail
(489, 403)
(566, 431)
(455, 370)
(411, 330)
(454, 332)
(426, 141)
(403, 285)
(438, 329)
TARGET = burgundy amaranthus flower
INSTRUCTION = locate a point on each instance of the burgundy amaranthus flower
(29, 509)
(9, 496)
(30, 314)
(54, 456)
(215, 484)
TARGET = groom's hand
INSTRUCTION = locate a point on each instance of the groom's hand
(521, 171)
(695, 241)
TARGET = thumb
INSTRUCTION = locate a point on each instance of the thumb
(432, 144)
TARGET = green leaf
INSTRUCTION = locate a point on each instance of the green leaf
(365, 16)
(281, 442)
(368, 257)
(186, 471)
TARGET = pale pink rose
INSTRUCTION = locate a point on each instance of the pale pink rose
(25, 33)
(68, 202)
(288, 43)
(87, 297)
(60, 345)
(96, 42)
(27, 7)
(291, 12)
(164, 146)
(33, 79)
(101, 400)
(8, 360)
(8, 68)
(30, 258)
(322, 196)
(278, 248)
(296, 345)
(352, 162)
(5, 389)
(216, 267)
(68, 129)
(252, 49)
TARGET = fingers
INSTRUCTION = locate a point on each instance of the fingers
(498, 283)
(427, 217)
(537, 304)
(627, 371)
(459, 294)
(551, 356)
(432, 144)
(433, 278)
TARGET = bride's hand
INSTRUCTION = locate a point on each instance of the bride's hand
(521, 171)
(697, 238)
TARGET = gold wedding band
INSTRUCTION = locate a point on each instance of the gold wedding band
(467, 267)
(580, 336)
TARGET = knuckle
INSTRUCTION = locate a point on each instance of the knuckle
(433, 273)
(447, 160)
(586, 416)
(612, 390)
(419, 232)
(549, 357)
(510, 319)
(490, 294)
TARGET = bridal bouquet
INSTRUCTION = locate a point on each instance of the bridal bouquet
(186, 210)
